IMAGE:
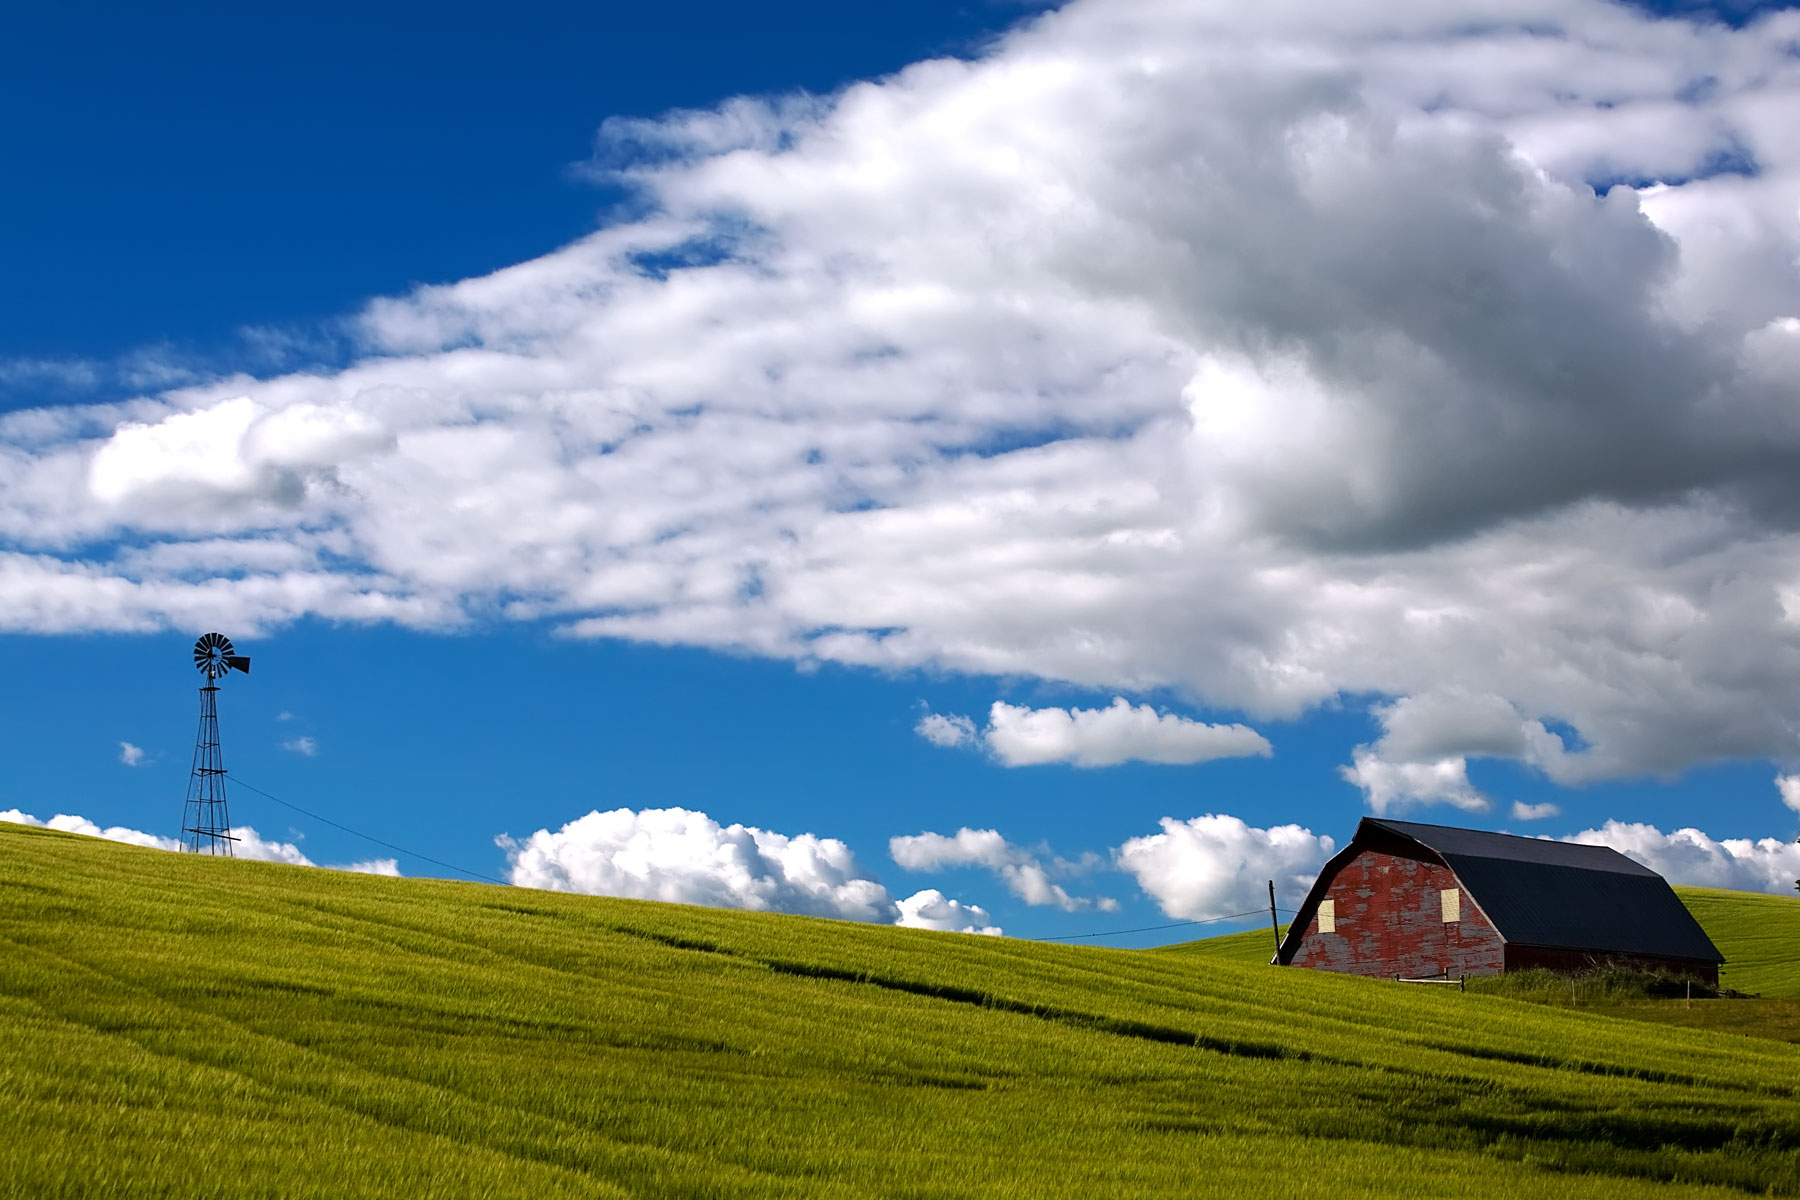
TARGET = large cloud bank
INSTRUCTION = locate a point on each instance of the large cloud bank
(1267, 353)
(686, 857)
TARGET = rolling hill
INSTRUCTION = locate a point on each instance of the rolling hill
(1251, 946)
(1758, 935)
(176, 1026)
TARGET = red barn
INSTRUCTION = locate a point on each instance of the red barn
(1422, 900)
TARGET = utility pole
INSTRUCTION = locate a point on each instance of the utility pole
(1274, 922)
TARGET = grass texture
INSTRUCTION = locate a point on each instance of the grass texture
(179, 1026)
(1758, 935)
(1251, 947)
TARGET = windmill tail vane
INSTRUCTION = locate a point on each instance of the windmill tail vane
(206, 821)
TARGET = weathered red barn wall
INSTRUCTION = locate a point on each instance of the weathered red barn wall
(1519, 958)
(1390, 921)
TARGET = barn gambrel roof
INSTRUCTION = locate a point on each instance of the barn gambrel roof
(1558, 895)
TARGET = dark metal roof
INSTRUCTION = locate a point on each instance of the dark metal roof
(1510, 847)
(1542, 893)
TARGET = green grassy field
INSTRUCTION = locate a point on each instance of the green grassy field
(1251, 947)
(174, 1026)
(1758, 935)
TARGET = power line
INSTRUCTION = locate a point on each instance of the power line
(436, 862)
(1070, 937)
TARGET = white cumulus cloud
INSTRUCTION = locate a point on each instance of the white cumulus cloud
(249, 844)
(371, 866)
(75, 824)
(1395, 786)
(1217, 865)
(931, 909)
(1789, 787)
(306, 746)
(1522, 811)
(942, 730)
(686, 857)
(1428, 739)
(1689, 856)
(230, 453)
(1017, 736)
(254, 846)
(1106, 737)
(131, 755)
(1025, 874)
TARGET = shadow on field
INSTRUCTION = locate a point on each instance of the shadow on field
(1433, 1111)
(1112, 1025)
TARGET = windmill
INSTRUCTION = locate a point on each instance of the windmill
(205, 821)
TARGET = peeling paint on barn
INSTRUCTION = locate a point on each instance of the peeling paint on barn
(1415, 901)
(1388, 920)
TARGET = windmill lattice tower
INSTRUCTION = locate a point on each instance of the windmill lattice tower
(205, 820)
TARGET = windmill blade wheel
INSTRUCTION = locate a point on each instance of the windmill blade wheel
(213, 655)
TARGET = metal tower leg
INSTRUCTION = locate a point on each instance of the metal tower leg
(206, 821)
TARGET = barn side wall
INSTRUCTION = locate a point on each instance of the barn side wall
(1390, 922)
(1519, 958)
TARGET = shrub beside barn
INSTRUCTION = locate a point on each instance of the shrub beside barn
(1410, 900)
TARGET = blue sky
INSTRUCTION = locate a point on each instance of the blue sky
(180, 179)
(795, 410)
